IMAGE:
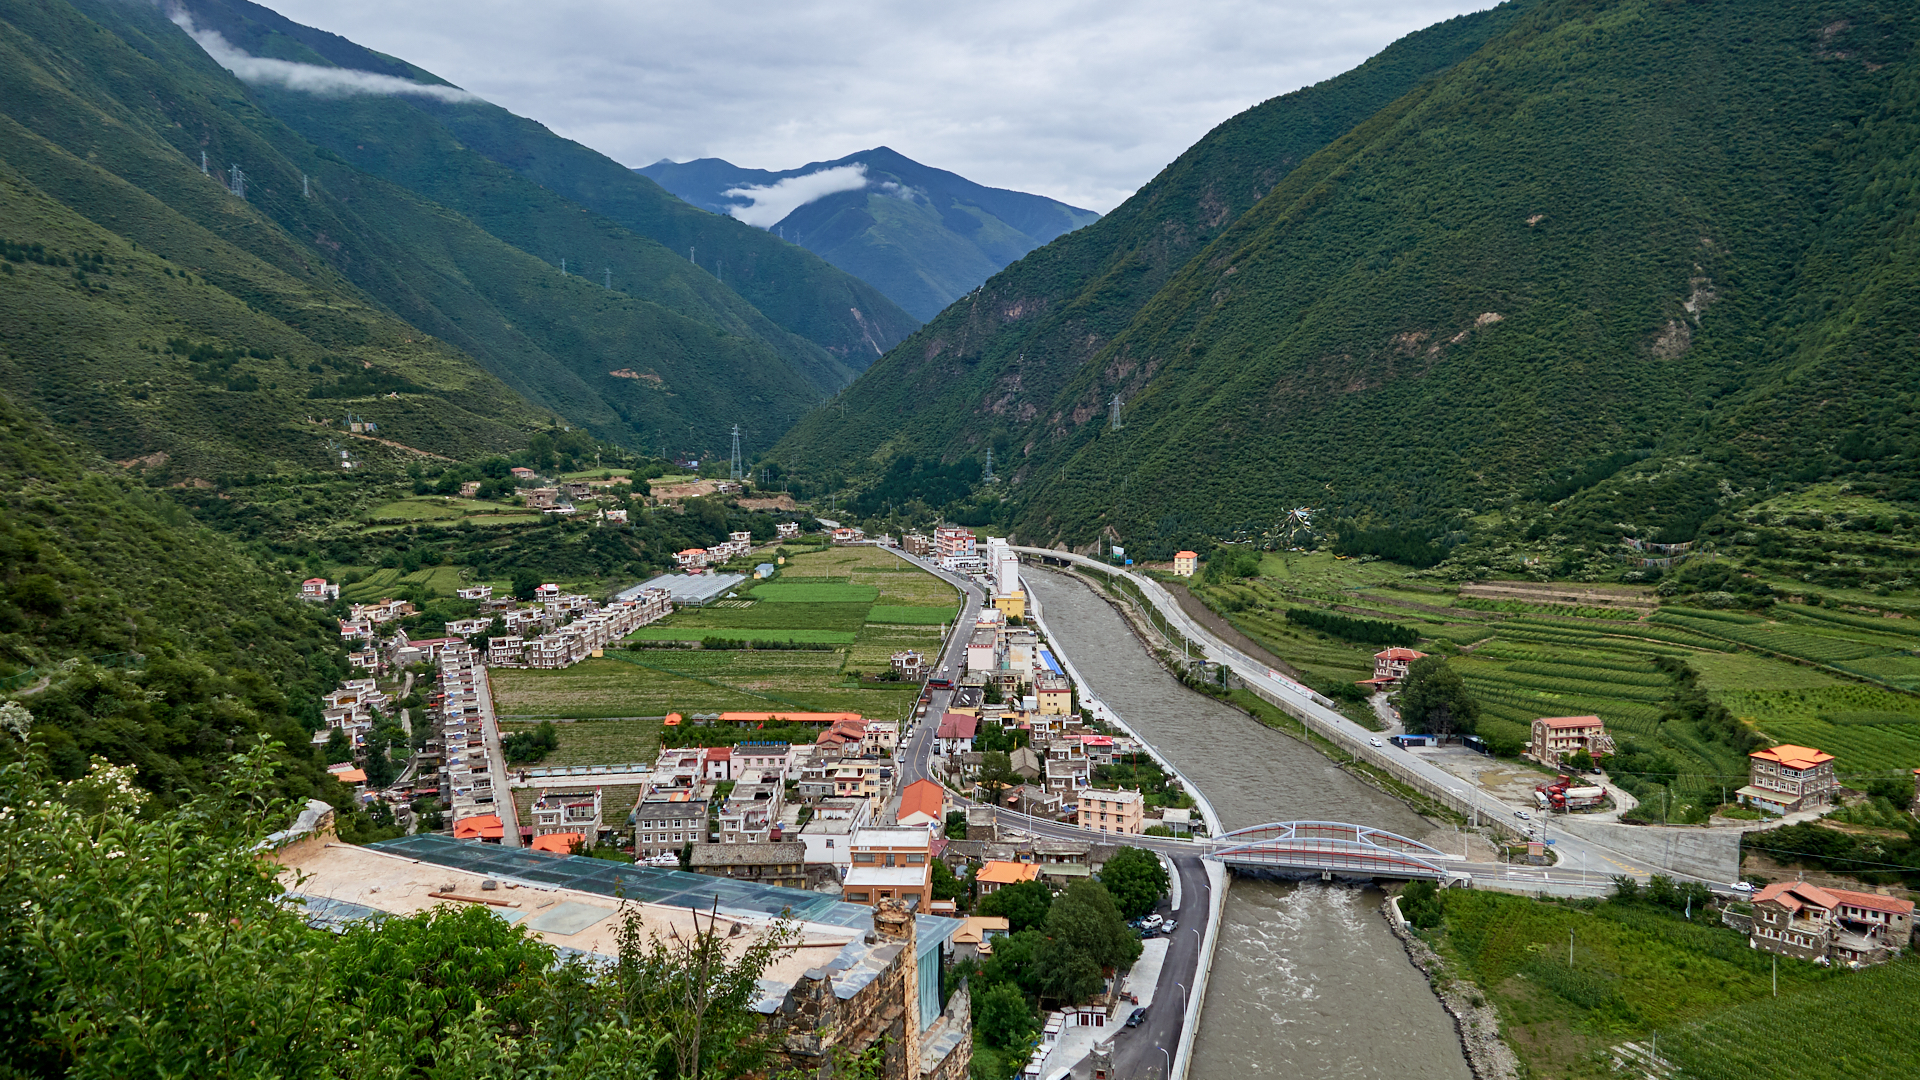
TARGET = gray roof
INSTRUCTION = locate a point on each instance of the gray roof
(687, 588)
(655, 811)
(784, 853)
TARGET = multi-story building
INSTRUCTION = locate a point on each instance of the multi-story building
(752, 810)
(1054, 696)
(1186, 563)
(862, 779)
(1787, 778)
(1111, 811)
(1557, 737)
(568, 811)
(956, 549)
(891, 864)
(955, 734)
(475, 592)
(664, 821)
(787, 530)
(1812, 922)
(983, 651)
(1390, 666)
(828, 835)
(319, 590)
(776, 760)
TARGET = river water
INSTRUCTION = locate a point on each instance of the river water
(1307, 979)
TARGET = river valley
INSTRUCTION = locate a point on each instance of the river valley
(1307, 979)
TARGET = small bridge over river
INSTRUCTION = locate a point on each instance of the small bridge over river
(1329, 849)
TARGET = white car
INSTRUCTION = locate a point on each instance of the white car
(1150, 921)
(1375, 742)
(1741, 887)
(1523, 815)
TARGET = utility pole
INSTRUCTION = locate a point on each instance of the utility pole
(1569, 946)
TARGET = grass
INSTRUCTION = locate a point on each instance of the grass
(695, 633)
(906, 615)
(1635, 969)
(440, 508)
(1874, 1038)
(382, 583)
(597, 742)
(793, 592)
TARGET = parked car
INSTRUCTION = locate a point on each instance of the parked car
(1169, 927)
(1151, 920)
(1136, 1017)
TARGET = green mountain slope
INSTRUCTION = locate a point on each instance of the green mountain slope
(923, 236)
(183, 650)
(791, 287)
(979, 373)
(1644, 225)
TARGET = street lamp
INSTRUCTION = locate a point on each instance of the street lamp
(1163, 1050)
(1183, 997)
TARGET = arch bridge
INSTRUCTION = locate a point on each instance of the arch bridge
(1331, 849)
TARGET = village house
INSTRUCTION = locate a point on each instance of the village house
(617, 517)
(470, 489)
(521, 472)
(910, 665)
(1557, 737)
(983, 652)
(975, 938)
(867, 780)
(319, 590)
(752, 811)
(1186, 563)
(775, 760)
(782, 864)
(692, 559)
(1111, 811)
(666, 821)
(786, 530)
(828, 835)
(570, 813)
(475, 592)
(1787, 778)
(1812, 922)
(955, 734)
(923, 803)
(918, 545)
(1390, 666)
(891, 864)
(1054, 696)
(543, 498)
(995, 876)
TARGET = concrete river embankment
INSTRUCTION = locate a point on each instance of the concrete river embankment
(1307, 980)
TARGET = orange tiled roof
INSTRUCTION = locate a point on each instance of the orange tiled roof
(1397, 653)
(479, 825)
(1793, 757)
(1561, 723)
(787, 717)
(923, 797)
(1008, 873)
(561, 842)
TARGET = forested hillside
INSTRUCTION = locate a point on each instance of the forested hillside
(422, 143)
(132, 632)
(923, 236)
(1645, 242)
(167, 318)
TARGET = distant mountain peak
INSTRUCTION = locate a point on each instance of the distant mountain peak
(923, 236)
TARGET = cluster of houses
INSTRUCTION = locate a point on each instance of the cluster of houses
(953, 547)
(738, 545)
(579, 629)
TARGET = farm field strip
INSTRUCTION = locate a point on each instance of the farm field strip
(697, 633)
(596, 742)
(909, 615)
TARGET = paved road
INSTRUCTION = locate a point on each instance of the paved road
(1350, 736)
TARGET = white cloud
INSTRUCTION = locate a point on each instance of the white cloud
(768, 203)
(311, 78)
(1081, 100)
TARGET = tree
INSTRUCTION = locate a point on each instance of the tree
(339, 747)
(1434, 699)
(1085, 919)
(956, 825)
(1136, 879)
(524, 583)
(1024, 904)
(1420, 904)
(945, 885)
(698, 993)
(996, 775)
(1002, 1016)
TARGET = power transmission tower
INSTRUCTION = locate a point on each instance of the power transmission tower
(735, 472)
(609, 277)
(1113, 413)
(203, 164)
(563, 266)
(305, 191)
(238, 185)
(987, 476)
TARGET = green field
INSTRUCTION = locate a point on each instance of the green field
(822, 592)
(597, 742)
(812, 601)
(902, 615)
(381, 584)
(441, 508)
(1786, 1036)
(696, 633)
(1637, 969)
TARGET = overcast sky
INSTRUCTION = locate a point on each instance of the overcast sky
(1080, 101)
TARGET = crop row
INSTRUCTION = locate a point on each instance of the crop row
(1642, 633)
(1630, 675)
(1799, 644)
(1876, 1038)
(1712, 616)
(1903, 627)
(1575, 686)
